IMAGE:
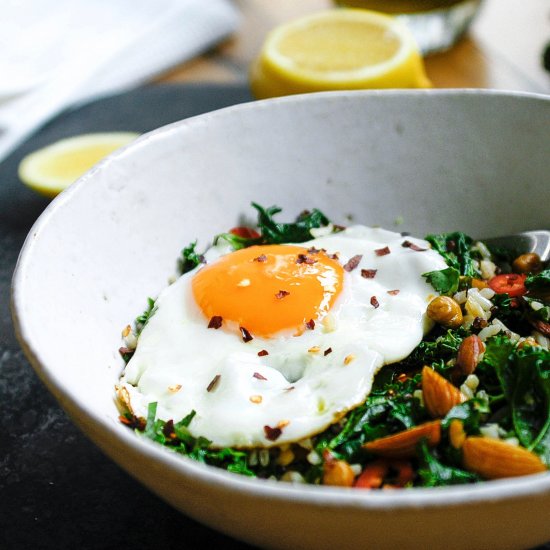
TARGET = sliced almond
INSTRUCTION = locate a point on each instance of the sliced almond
(338, 473)
(457, 435)
(440, 396)
(495, 459)
(124, 398)
(468, 356)
(404, 444)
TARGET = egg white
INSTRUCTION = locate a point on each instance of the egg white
(306, 382)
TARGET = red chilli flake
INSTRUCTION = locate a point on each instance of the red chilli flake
(333, 256)
(353, 262)
(393, 292)
(313, 250)
(246, 335)
(305, 259)
(261, 258)
(327, 351)
(259, 376)
(412, 246)
(368, 273)
(382, 251)
(214, 383)
(215, 322)
(126, 351)
(374, 302)
(281, 294)
(310, 324)
(263, 353)
(272, 433)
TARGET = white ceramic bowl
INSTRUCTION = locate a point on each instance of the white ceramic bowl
(469, 160)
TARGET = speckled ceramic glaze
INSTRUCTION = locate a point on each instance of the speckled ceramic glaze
(469, 160)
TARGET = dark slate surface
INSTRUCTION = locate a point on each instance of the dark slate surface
(57, 490)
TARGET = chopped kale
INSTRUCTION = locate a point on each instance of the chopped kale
(524, 379)
(456, 251)
(538, 281)
(190, 258)
(434, 473)
(389, 409)
(178, 438)
(471, 413)
(445, 281)
(274, 232)
(437, 349)
(538, 286)
(143, 319)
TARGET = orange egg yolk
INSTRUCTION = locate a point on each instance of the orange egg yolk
(270, 288)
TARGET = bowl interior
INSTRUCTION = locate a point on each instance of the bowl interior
(409, 161)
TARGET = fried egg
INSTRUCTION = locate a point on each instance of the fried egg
(271, 344)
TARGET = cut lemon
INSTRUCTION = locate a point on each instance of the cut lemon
(339, 49)
(52, 169)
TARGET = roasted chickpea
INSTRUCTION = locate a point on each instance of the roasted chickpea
(527, 263)
(445, 311)
(338, 473)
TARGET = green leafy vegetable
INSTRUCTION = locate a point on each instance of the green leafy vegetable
(143, 319)
(444, 281)
(471, 413)
(273, 232)
(190, 258)
(456, 250)
(434, 473)
(389, 409)
(437, 349)
(178, 438)
(236, 242)
(539, 288)
(298, 232)
(524, 379)
(538, 281)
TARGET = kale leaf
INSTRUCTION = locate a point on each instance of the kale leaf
(390, 408)
(434, 473)
(524, 379)
(456, 251)
(298, 232)
(273, 232)
(538, 286)
(436, 349)
(143, 319)
(444, 281)
(190, 258)
(539, 281)
(178, 438)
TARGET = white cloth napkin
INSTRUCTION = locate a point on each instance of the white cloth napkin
(55, 53)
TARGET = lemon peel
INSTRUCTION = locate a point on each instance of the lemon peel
(339, 49)
(53, 168)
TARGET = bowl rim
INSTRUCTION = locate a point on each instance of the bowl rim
(323, 496)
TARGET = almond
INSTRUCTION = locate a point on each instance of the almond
(440, 396)
(494, 459)
(338, 473)
(404, 444)
(468, 356)
(457, 435)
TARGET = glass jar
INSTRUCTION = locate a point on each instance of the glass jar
(436, 24)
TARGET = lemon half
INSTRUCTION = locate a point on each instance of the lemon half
(52, 169)
(339, 49)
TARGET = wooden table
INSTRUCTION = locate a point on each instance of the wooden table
(503, 49)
